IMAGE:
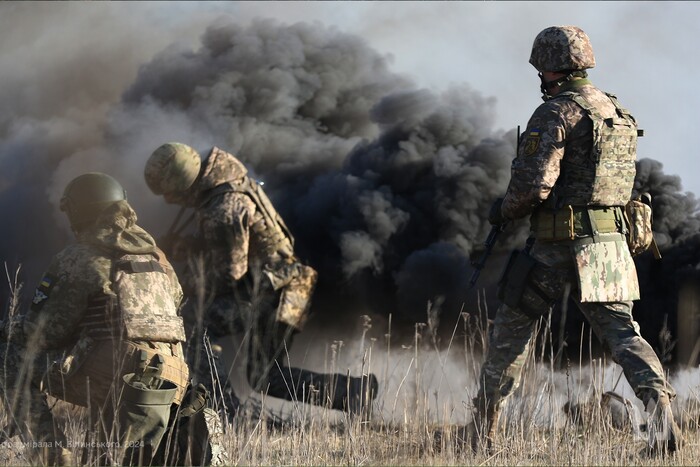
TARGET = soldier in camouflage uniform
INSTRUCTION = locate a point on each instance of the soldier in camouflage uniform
(573, 175)
(250, 273)
(102, 332)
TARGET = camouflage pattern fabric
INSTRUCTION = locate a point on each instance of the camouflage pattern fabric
(145, 292)
(239, 230)
(639, 222)
(559, 48)
(607, 178)
(561, 126)
(57, 353)
(606, 272)
(296, 296)
(172, 167)
(254, 284)
(557, 163)
(513, 330)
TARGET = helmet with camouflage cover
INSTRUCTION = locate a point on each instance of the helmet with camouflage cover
(562, 48)
(87, 195)
(172, 168)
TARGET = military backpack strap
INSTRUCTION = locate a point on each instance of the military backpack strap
(131, 267)
(249, 187)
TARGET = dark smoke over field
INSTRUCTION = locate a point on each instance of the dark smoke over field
(382, 183)
(386, 186)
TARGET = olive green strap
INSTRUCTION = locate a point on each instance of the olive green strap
(594, 226)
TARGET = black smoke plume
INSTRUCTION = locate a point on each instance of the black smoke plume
(386, 186)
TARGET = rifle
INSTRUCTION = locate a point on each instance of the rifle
(489, 244)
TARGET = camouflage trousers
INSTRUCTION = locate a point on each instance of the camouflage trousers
(24, 401)
(513, 330)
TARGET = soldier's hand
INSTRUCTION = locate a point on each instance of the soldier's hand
(495, 214)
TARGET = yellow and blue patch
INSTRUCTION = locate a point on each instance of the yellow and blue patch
(532, 142)
(42, 292)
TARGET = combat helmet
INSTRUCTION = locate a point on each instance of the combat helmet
(562, 48)
(87, 195)
(172, 168)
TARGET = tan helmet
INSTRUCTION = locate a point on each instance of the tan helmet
(172, 168)
(86, 196)
(562, 48)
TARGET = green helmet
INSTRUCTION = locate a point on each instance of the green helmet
(88, 195)
(172, 168)
(562, 48)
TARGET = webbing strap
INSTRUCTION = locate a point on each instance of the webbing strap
(594, 226)
(131, 267)
(610, 237)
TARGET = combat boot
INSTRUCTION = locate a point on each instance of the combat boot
(482, 430)
(664, 434)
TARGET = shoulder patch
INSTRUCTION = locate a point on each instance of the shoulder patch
(532, 142)
(42, 292)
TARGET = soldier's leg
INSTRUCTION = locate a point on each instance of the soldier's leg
(615, 326)
(207, 368)
(28, 412)
(533, 283)
(509, 345)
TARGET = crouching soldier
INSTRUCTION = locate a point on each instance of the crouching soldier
(249, 278)
(103, 332)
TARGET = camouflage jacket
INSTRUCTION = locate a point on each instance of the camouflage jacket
(81, 273)
(558, 156)
(559, 140)
(233, 227)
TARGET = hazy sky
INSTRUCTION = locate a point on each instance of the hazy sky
(646, 52)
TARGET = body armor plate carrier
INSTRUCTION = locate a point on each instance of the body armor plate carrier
(608, 176)
(142, 307)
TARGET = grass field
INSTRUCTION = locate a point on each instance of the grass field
(425, 394)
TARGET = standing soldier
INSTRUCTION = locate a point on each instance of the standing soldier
(102, 332)
(573, 176)
(256, 283)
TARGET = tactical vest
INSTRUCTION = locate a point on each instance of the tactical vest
(276, 231)
(608, 176)
(142, 307)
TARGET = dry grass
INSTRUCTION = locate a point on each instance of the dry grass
(425, 388)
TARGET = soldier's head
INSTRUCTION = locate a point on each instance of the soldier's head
(561, 53)
(87, 196)
(172, 170)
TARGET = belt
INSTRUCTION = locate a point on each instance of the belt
(572, 222)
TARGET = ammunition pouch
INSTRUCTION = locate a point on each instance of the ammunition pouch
(175, 367)
(571, 222)
(639, 219)
(530, 286)
(144, 411)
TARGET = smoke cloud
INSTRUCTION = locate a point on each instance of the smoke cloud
(385, 185)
